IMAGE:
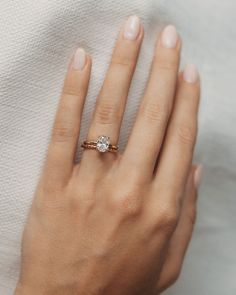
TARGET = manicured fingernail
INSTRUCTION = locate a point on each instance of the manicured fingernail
(191, 74)
(132, 27)
(80, 59)
(169, 37)
(198, 176)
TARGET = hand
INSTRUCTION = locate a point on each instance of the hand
(117, 223)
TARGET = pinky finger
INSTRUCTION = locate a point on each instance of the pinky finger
(183, 233)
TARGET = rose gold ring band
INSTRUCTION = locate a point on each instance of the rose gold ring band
(102, 145)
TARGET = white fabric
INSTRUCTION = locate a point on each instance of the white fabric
(36, 40)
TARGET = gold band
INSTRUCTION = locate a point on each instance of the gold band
(102, 145)
(93, 146)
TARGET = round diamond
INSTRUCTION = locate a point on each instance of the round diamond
(103, 143)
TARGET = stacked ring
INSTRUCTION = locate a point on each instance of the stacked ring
(102, 144)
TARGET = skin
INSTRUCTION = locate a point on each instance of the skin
(116, 223)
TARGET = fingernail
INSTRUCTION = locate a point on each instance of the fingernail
(80, 59)
(198, 176)
(132, 27)
(191, 74)
(169, 37)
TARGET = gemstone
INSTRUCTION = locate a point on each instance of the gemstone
(103, 143)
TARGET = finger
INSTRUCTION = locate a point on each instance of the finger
(112, 98)
(150, 126)
(62, 147)
(176, 157)
(180, 240)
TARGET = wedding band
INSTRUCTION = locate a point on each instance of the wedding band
(102, 144)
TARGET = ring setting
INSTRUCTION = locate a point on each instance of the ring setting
(102, 145)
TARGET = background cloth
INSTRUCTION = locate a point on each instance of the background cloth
(37, 39)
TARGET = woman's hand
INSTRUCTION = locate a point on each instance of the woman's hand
(117, 224)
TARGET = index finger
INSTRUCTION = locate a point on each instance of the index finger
(65, 133)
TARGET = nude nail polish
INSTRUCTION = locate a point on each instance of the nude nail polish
(80, 59)
(169, 37)
(191, 74)
(132, 27)
(198, 176)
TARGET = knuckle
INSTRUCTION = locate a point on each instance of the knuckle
(129, 202)
(166, 64)
(51, 190)
(63, 128)
(85, 194)
(106, 113)
(186, 135)
(82, 199)
(74, 86)
(49, 198)
(62, 132)
(123, 61)
(82, 203)
(71, 90)
(50, 186)
(168, 218)
(155, 112)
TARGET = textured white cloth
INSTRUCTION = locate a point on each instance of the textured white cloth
(36, 40)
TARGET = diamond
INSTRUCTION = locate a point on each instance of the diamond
(103, 143)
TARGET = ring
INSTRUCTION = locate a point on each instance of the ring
(102, 144)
